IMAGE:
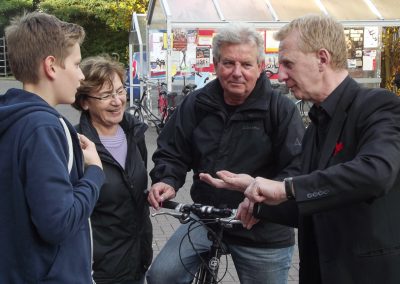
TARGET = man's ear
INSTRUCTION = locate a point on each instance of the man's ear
(324, 57)
(49, 66)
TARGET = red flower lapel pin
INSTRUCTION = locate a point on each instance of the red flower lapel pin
(338, 147)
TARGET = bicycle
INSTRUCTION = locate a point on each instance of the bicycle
(162, 98)
(171, 104)
(142, 108)
(188, 88)
(167, 107)
(215, 220)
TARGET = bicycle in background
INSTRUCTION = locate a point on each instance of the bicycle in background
(162, 97)
(188, 88)
(168, 104)
(214, 220)
(142, 108)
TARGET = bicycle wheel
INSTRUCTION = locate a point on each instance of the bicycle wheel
(150, 117)
(135, 110)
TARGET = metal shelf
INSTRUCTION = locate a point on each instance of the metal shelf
(4, 68)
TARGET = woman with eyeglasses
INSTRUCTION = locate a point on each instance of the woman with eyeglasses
(122, 231)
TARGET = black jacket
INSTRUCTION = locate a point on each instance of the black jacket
(349, 207)
(347, 210)
(122, 230)
(202, 136)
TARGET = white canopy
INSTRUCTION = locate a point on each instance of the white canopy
(267, 13)
(169, 15)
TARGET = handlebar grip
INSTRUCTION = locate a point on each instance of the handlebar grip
(169, 204)
(222, 212)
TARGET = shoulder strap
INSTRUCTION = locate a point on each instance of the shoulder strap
(271, 120)
(70, 147)
(199, 113)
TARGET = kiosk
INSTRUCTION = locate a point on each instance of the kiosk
(178, 34)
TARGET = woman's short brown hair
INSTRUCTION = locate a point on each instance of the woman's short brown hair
(98, 70)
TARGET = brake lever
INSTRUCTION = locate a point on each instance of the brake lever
(182, 217)
(175, 215)
(185, 218)
(228, 222)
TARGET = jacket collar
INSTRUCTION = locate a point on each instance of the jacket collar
(128, 124)
(338, 120)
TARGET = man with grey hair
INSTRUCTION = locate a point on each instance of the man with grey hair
(348, 193)
(236, 122)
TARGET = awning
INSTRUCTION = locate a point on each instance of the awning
(181, 13)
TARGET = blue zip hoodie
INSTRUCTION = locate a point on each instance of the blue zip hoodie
(44, 209)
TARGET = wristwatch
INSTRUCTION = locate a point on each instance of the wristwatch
(289, 189)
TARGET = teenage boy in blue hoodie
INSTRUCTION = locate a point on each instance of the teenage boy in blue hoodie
(47, 194)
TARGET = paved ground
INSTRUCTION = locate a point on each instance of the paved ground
(163, 226)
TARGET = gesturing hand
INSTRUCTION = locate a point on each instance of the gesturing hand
(265, 190)
(228, 180)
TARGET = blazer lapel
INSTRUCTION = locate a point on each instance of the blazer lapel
(337, 123)
(307, 144)
(332, 137)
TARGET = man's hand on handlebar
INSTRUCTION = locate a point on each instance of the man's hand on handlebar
(160, 192)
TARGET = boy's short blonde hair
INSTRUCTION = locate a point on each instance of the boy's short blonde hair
(33, 37)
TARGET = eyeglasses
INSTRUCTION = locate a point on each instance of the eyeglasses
(121, 93)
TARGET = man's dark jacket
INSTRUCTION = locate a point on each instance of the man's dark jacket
(202, 136)
(349, 207)
(122, 231)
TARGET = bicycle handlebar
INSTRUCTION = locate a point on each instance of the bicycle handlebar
(224, 216)
(151, 82)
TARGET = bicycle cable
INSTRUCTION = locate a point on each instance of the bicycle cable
(203, 223)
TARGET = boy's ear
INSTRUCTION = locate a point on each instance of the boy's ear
(49, 66)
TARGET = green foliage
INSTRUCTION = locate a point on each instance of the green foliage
(10, 9)
(107, 22)
(390, 57)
